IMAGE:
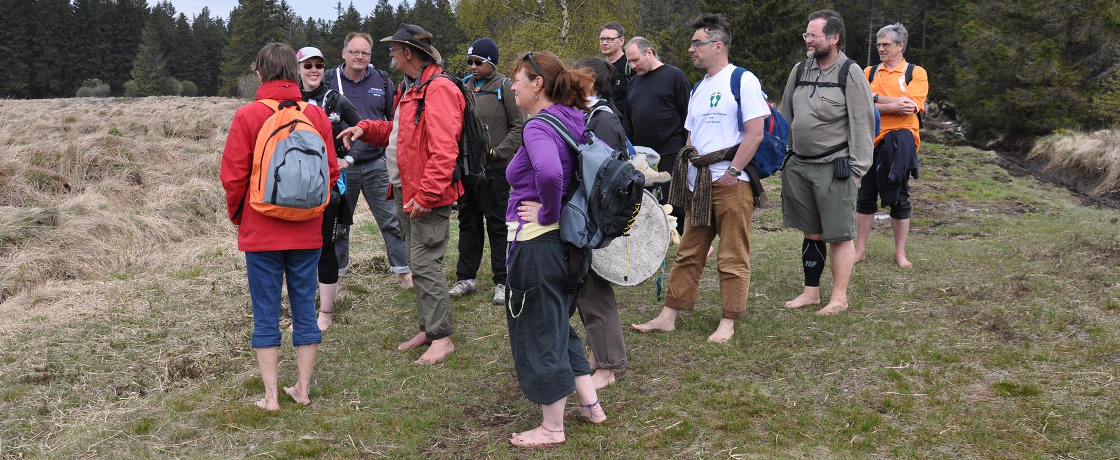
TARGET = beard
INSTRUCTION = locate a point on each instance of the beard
(393, 62)
(818, 53)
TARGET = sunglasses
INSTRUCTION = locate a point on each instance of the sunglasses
(476, 62)
(533, 62)
(309, 66)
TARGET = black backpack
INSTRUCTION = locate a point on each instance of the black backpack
(607, 191)
(474, 142)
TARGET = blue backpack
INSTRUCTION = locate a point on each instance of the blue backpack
(771, 151)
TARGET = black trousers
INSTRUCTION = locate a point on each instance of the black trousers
(545, 279)
(482, 213)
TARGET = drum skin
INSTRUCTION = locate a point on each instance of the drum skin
(633, 258)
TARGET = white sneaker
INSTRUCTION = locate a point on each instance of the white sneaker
(462, 287)
(499, 294)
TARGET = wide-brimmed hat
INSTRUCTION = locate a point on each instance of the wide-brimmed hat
(416, 37)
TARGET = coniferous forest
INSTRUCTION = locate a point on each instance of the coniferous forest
(1006, 69)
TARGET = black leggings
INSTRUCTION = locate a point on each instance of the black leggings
(328, 261)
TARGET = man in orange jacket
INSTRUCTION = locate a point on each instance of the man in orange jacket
(427, 147)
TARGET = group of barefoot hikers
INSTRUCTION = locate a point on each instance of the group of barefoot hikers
(315, 138)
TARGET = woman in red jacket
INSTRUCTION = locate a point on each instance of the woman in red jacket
(276, 248)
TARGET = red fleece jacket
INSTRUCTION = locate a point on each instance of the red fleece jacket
(426, 152)
(255, 231)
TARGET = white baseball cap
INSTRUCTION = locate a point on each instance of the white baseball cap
(309, 52)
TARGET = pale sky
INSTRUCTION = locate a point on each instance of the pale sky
(321, 9)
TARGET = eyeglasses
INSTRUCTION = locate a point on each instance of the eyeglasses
(698, 43)
(359, 53)
(884, 45)
(395, 50)
(808, 36)
(533, 62)
(309, 66)
(608, 39)
(475, 62)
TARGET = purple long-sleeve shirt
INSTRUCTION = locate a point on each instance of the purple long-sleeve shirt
(542, 168)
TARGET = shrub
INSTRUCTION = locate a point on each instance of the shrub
(189, 89)
(94, 88)
(131, 89)
(247, 86)
(169, 87)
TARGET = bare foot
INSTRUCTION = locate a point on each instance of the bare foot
(591, 413)
(325, 320)
(538, 437)
(902, 261)
(860, 257)
(264, 403)
(804, 299)
(666, 321)
(723, 332)
(603, 378)
(300, 397)
(439, 350)
(418, 340)
(406, 280)
(832, 308)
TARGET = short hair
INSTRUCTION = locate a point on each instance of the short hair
(353, 35)
(276, 61)
(562, 86)
(897, 33)
(715, 25)
(642, 43)
(601, 72)
(615, 26)
(834, 24)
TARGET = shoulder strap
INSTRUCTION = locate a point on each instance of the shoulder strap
(909, 73)
(388, 88)
(559, 127)
(842, 77)
(875, 71)
(338, 79)
(736, 91)
(801, 69)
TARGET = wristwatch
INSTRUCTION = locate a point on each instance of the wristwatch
(875, 99)
(733, 171)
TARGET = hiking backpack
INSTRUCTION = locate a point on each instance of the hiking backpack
(842, 83)
(290, 174)
(775, 130)
(909, 77)
(607, 191)
(474, 138)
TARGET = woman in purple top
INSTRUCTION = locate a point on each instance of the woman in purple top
(546, 274)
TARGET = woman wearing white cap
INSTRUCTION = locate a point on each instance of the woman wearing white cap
(342, 115)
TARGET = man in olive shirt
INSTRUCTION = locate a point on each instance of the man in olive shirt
(483, 207)
(832, 124)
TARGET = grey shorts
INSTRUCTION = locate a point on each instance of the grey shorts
(814, 201)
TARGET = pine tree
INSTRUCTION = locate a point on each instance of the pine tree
(15, 45)
(183, 60)
(149, 69)
(50, 47)
(209, 36)
(381, 23)
(128, 18)
(252, 24)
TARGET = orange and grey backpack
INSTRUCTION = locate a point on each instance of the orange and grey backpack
(291, 175)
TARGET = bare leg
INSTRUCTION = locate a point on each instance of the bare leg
(864, 223)
(666, 321)
(440, 349)
(843, 258)
(327, 294)
(269, 359)
(723, 332)
(589, 408)
(305, 364)
(901, 229)
(549, 433)
(417, 340)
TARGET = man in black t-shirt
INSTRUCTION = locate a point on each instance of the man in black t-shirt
(611, 39)
(657, 103)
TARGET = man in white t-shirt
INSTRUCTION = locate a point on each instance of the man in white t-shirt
(715, 191)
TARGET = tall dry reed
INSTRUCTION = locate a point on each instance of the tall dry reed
(1092, 159)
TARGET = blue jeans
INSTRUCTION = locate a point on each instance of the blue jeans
(266, 271)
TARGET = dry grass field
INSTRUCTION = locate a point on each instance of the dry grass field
(1091, 160)
(124, 325)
